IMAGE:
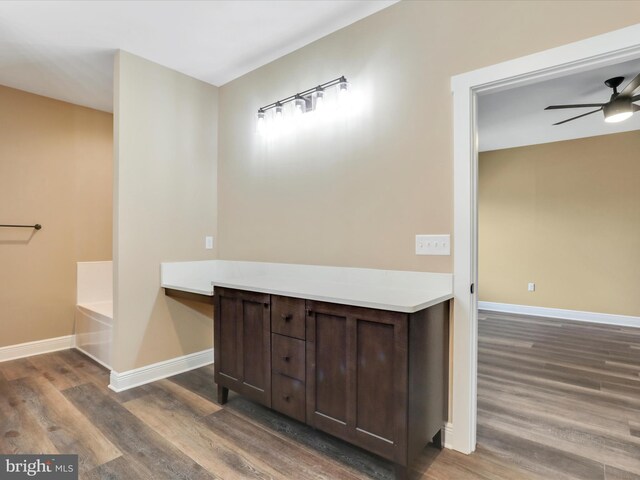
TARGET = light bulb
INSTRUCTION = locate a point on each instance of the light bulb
(300, 105)
(278, 111)
(618, 117)
(343, 89)
(319, 98)
(261, 121)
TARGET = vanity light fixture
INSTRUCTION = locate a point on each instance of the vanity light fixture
(303, 102)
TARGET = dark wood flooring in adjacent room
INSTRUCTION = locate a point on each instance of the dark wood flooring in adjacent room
(557, 400)
(560, 398)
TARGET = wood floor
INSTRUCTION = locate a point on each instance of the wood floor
(560, 398)
(557, 400)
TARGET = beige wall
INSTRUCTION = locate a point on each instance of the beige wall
(566, 216)
(55, 169)
(164, 205)
(356, 193)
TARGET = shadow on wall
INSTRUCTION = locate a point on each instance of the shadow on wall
(11, 236)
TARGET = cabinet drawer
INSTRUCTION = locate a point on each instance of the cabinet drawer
(287, 356)
(288, 396)
(287, 316)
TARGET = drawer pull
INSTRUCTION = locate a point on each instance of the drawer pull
(286, 358)
(286, 317)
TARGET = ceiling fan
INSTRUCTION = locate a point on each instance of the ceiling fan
(619, 107)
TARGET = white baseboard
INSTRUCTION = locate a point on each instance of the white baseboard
(121, 381)
(38, 347)
(605, 318)
(447, 432)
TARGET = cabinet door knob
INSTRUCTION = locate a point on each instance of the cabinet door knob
(286, 398)
(286, 317)
(286, 358)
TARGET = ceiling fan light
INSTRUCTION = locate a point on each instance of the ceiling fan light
(618, 110)
(617, 117)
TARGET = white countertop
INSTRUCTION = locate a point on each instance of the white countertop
(399, 291)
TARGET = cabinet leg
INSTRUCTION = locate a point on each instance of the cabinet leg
(437, 440)
(401, 471)
(223, 395)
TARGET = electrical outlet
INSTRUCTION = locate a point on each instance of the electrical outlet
(531, 287)
(433, 245)
(208, 243)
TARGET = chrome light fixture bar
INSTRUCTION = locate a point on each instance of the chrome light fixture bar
(304, 101)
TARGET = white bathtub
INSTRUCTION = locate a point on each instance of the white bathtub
(94, 310)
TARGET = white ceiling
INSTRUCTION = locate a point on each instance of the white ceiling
(516, 117)
(64, 49)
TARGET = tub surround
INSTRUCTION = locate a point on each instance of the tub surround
(392, 290)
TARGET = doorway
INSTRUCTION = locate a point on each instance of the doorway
(557, 369)
(608, 49)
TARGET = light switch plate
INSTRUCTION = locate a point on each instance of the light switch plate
(208, 243)
(433, 245)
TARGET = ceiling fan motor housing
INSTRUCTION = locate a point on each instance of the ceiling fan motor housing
(620, 105)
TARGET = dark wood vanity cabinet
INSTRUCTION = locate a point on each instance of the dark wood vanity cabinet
(372, 377)
(242, 344)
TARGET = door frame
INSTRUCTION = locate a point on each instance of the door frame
(607, 49)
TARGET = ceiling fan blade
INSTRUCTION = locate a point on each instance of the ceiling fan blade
(579, 116)
(579, 105)
(631, 87)
(636, 98)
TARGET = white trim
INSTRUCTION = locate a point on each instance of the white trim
(447, 431)
(608, 49)
(579, 315)
(157, 371)
(465, 324)
(38, 347)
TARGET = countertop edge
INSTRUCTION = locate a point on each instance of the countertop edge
(188, 289)
(341, 301)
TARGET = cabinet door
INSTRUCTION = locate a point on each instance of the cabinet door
(242, 342)
(357, 376)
